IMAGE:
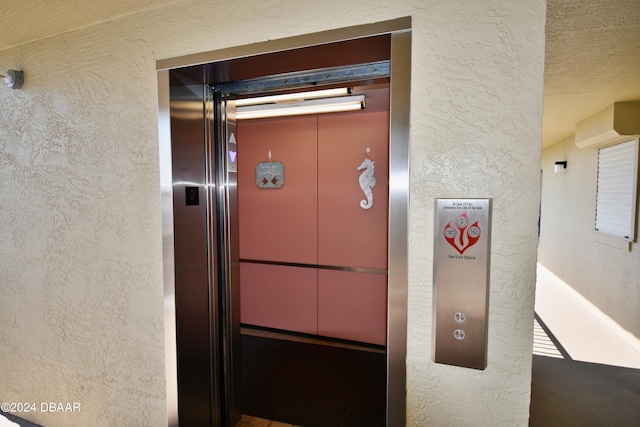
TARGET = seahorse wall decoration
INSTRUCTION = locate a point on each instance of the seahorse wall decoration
(367, 182)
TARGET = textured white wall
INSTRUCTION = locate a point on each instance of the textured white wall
(476, 132)
(601, 269)
(80, 242)
(80, 249)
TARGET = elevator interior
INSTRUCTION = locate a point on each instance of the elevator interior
(207, 223)
(312, 259)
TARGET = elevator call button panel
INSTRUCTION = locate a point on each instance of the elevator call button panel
(461, 258)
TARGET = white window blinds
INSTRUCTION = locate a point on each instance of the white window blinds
(616, 191)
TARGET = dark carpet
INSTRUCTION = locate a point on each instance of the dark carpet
(568, 393)
(312, 385)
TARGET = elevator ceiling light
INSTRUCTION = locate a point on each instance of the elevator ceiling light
(310, 106)
(300, 96)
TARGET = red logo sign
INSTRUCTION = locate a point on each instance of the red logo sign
(461, 236)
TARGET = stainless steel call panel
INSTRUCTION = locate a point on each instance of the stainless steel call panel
(461, 258)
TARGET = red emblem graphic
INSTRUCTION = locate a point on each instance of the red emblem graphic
(462, 237)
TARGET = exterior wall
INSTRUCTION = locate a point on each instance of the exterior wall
(80, 243)
(605, 270)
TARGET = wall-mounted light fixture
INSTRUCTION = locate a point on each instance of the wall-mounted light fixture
(314, 102)
(13, 79)
(559, 167)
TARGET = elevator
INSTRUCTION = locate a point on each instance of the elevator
(219, 226)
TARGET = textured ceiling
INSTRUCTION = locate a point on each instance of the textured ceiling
(592, 61)
(592, 48)
(22, 21)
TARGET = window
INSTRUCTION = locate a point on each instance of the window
(616, 191)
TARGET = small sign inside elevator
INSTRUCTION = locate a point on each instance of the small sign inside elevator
(270, 174)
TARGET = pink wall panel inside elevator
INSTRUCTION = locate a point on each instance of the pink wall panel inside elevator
(279, 297)
(278, 224)
(315, 219)
(352, 306)
(349, 235)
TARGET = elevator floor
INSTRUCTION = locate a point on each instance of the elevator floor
(302, 381)
(249, 421)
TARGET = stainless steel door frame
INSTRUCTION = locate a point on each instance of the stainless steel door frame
(166, 200)
(399, 115)
(175, 178)
(190, 254)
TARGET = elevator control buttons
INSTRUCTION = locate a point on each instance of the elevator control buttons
(232, 154)
(461, 266)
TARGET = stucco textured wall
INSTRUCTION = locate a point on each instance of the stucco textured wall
(601, 269)
(80, 258)
(80, 242)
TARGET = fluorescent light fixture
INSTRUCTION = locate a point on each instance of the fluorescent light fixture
(311, 106)
(292, 104)
(300, 96)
